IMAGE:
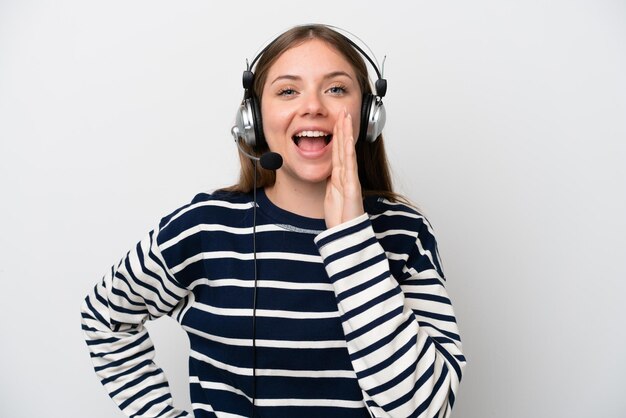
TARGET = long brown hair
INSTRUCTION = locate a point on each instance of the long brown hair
(374, 173)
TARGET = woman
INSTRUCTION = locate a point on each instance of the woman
(313, 302)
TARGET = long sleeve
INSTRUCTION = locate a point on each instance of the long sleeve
(400, 330)
(139, 288)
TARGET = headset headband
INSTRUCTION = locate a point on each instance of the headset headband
(380, 84)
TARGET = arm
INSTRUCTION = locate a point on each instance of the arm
(400, 331)
(140, 287)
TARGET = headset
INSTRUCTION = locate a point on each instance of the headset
(248, 126)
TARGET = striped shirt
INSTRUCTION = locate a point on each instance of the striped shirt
(352, 321)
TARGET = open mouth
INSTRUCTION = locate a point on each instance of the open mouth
(312, 140)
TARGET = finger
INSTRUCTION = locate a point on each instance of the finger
(351, 164)
(349, 146)
(336, 148)
(340, 135)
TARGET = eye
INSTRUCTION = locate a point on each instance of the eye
(337, 89)
(287, 92)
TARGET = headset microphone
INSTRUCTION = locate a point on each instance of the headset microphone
(269, 160)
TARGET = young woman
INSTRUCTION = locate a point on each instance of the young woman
(325, 298)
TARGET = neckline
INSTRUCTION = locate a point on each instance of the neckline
(286, 218)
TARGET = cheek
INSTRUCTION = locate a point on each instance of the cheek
(274, 118)
(356, 120)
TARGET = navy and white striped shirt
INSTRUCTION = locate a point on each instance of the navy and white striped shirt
(352, 321)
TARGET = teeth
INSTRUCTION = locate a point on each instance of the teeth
(314, 134)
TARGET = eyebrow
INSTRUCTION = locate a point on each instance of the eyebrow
(296, 78)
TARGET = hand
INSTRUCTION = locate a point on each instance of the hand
(343, 200)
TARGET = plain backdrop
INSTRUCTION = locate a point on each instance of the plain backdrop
(506, 124)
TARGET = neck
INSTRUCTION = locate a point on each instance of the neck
(304, 200)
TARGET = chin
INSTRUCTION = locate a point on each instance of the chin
(312, 174)
(314, 177)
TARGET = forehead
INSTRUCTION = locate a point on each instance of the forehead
(312, 57)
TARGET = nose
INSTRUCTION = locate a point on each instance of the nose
(313, 105)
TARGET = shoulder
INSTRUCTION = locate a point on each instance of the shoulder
(406, 235)
(386, 215)
(217, 207)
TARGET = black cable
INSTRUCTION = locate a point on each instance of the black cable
(254, 295)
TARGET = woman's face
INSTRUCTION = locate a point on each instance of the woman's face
(304, 92)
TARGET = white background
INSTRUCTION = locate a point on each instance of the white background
(506, 123)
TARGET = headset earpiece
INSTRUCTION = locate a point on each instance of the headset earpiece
(373, 117)
(259, 136)
(247, 80)
(365, 112)
(248, 124)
